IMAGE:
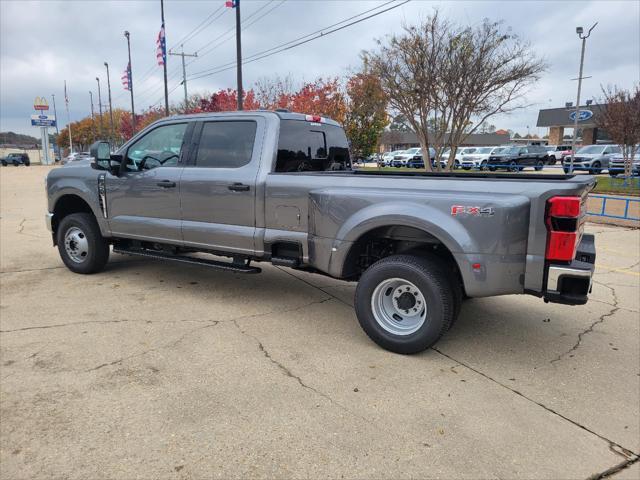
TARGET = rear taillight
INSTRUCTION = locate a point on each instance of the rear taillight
(314, 118)
(562, 218)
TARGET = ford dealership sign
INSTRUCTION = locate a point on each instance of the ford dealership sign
(582, 116)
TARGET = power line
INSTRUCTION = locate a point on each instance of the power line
(299, 41)
(202, 53)
(201, 26)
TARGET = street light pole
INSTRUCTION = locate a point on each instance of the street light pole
(110, 107)
(100, 106)
(579, 31)
(133, 110)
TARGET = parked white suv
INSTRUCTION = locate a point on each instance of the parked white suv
(479, 158)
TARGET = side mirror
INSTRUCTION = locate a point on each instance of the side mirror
(103, 160)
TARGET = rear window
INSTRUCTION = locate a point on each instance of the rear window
(311, 147)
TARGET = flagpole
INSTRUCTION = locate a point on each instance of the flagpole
(238, 54)
(66, 101)
(130, 81)
(164, 63)
(110, 106)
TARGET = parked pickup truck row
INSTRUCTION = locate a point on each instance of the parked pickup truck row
(277, 187)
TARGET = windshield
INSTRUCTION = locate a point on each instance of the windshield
(412, 151)
(511, 150)
(484, 150)
(498, 150)
(592, 149)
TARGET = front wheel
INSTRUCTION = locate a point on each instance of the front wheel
(513, 166)
(82, 247)
(539, 166)
(405, 303)
(483, 165)
(4, 164)
(596, 168)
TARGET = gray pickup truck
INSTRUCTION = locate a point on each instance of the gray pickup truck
(278, 187)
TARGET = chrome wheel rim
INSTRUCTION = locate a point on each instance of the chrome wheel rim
(76, 244)
(398, 306)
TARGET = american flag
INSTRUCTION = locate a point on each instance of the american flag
(126, 77)
(161, 44)
(66, 97)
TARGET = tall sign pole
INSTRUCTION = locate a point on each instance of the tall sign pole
(110, 106)
(55, 112)
(93, 120)
(184, 72)
(238, 53)
(164, 63)
(100, 107)
(43, 121)
(130, 83)
(66, 101)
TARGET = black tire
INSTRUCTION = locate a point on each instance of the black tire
(456, 165)
(27, 163)
(492, 168)
(483, 165)
(539, 166)
(433, 282)
(565, 169)
(4, 164)
(16, 163)
(596, 168)
(552, 160)
(98, 248)
(513, 166)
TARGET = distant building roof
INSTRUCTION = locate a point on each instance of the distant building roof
(394, 137)
(563, 117)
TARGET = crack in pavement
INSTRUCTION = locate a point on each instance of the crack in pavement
(613, 470)
(613, 446)
(591, 327)
(155, 349)
(88, 322)
(211, 323)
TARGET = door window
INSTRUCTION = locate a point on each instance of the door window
(158, 148)
(226, 144)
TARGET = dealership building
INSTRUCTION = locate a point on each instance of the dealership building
(557, 119)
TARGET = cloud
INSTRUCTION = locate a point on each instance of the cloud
(44, 43)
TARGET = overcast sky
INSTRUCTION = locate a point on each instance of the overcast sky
(44, 43)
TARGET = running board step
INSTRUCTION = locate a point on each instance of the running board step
(230, 267)
(285, 261)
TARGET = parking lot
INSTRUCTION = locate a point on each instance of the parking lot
(158, 370)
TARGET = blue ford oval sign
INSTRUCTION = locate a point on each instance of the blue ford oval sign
(583, 115)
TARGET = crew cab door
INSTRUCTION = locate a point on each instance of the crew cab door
(218, 189)
(144, 201)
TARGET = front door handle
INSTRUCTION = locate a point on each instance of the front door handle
(166, 184)
(238, 187)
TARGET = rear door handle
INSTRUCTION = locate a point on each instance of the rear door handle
(166, 184)
(238, 187)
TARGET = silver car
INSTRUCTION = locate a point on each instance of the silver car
(592, 158)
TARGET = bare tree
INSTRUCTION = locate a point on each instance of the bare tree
(620, 117)
(448, 80)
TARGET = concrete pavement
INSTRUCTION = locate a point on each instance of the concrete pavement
(155, 370)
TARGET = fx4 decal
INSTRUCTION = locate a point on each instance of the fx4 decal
(465, 210)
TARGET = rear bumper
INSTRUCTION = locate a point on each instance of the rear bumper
(571, 284)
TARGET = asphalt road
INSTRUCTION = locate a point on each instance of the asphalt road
(154, 370)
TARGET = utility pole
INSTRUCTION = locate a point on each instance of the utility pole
(164, 63)
(55, 113)
(238, 53)
(100, 106)
(579, 31)
(130, 72)
(110, 107)
(184, 71)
